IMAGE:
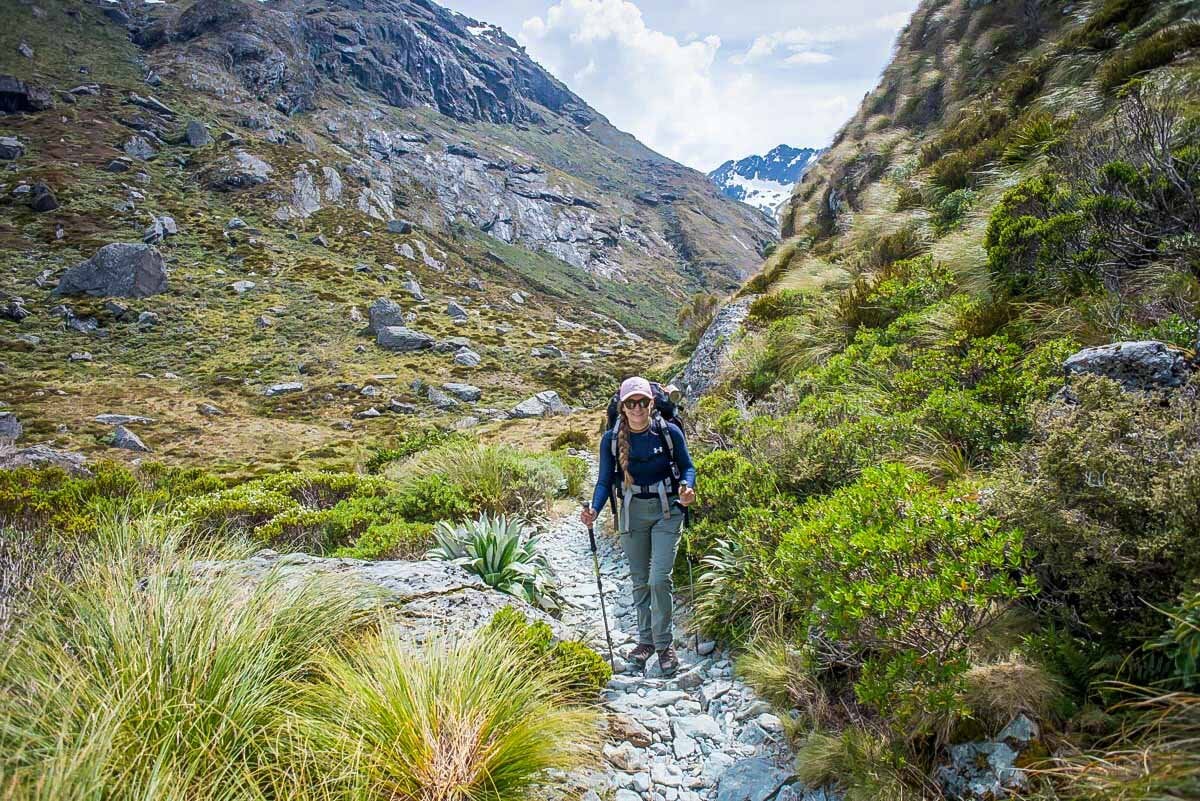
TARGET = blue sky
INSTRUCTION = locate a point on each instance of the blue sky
(703, 81)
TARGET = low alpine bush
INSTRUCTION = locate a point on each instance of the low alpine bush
(898, 576)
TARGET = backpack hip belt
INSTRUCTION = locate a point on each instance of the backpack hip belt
(659, 488)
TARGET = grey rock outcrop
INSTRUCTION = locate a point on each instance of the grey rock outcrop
(239, 170)
(1142, 365)
(21, 96)
(43, 456)
(704, 367)
(542, 404)
(117, 270)
(467, 358)
(10, 428)
(986, 770)
(11, 148)
(284, 388)
(754, 779)
(383, 313)
(464, 392)
(422, 599)
(196, 135)
(402, 339)
(124, 438)
(139, 147)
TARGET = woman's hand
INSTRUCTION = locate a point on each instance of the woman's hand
(587, 516)
(687, 496)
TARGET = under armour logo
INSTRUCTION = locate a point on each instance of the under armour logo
(658, 450)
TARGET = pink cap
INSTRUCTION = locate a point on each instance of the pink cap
(635, 386)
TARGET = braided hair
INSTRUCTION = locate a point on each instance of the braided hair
(623, 443)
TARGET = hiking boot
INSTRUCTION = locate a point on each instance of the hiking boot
(638, 656)
(668, 663)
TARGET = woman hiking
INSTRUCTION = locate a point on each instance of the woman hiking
(656, 479)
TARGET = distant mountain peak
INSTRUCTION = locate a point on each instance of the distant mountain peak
(765, 182)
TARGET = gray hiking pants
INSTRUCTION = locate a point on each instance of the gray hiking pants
(650, 546)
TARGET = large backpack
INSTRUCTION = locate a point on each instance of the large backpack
(666, 411)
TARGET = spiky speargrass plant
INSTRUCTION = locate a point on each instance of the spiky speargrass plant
(500, 551)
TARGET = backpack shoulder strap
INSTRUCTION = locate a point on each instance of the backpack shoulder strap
(663, 430)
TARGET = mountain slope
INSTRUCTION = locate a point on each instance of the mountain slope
(342, 152)
(765, 182)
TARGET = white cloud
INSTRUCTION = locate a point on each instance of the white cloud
(799, 41)
(674, 95)
(808, 57)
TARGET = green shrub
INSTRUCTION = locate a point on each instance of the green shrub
(962, 418)
(238, 510)
(48, 500)
(1181, 643)
(1105, 492)
(777, 305)
(1035, 239)
(432, 498)
(407, 446)
(899, 577)
(951, 209)
(587, 671)
(1158, 49)
(571, 439)
(496, 479)
(397, 539)
(727, 482)
(498, 550)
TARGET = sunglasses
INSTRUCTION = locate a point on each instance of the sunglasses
(639, 403)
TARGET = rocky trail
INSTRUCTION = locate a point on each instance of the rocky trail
(700, 734)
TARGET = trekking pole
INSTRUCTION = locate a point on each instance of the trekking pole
(687, 555)
(612, 662)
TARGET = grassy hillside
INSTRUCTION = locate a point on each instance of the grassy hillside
(914, 534)
(305, 316)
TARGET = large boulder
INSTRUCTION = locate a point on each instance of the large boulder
(1140, 365)
(239, 170)
(43, 456)
(196, 135)
(542, 404)
(402, 339)
(985, 770)
(10, 428)
(118, 270)
(17, 95)
(754, 779)
(384, 312)
(11, 148)
(704, 368)
(421, 598)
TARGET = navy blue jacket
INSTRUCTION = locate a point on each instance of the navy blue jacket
(649, 462)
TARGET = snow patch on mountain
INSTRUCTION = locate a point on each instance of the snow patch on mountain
(765, 182)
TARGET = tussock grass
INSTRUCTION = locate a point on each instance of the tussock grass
(812, 274)
(1155, 756)
(465, 721)
(997, 692)
(129, 681)
(496, 479)
(132, 676)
